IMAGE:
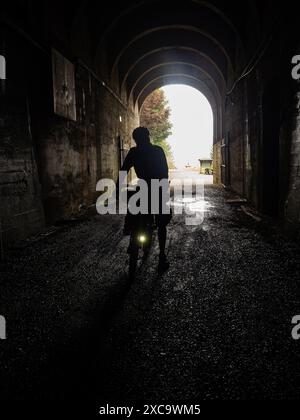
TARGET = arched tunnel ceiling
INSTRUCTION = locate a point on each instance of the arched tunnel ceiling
(164, 39)
(146, 44)
(170, 14)
(178, 79)
(175, 69)
(167, 57)
(149, 40)
(102, 21)
(135, 13)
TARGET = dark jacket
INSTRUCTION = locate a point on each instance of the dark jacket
(149, 162)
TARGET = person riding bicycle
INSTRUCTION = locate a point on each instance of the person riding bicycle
(149, 162)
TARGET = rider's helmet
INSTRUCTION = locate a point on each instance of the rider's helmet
(141, 135)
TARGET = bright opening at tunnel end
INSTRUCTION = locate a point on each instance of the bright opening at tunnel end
(192, 126)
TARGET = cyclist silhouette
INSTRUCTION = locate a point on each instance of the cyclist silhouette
(149, 162)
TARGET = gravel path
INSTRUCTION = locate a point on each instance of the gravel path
(216, 325)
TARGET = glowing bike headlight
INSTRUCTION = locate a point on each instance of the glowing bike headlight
(142, 238)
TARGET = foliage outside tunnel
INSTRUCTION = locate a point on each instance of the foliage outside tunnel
(155, 115)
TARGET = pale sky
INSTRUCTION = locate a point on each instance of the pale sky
(192, 119)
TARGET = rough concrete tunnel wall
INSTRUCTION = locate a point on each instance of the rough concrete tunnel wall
(50, 164)
(291, 141)
(75, 155)
(21, 210)
(262, 121)
(235, 138)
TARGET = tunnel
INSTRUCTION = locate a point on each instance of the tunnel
(74, 78)
(109, 63)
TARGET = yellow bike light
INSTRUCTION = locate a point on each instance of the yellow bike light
(142, 239)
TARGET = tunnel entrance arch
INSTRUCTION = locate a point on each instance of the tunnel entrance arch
(215, 103)
(193, 120)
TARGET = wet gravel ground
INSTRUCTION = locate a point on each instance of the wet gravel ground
(217, 325)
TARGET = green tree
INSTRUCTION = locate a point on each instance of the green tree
(155, 115)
